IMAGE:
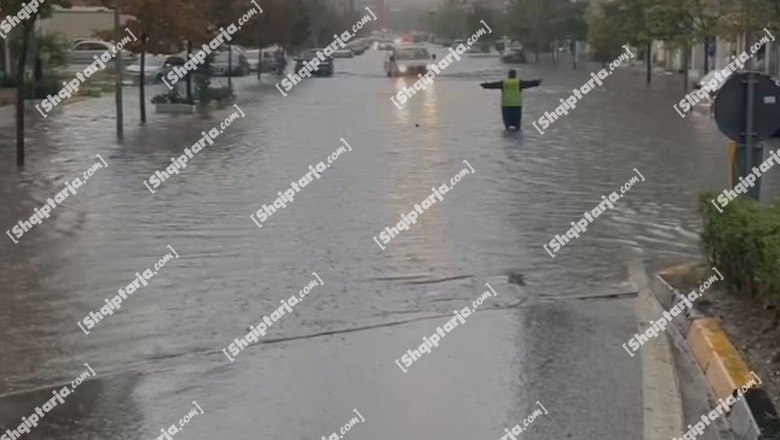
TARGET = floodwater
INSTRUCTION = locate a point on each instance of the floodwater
(537, 340)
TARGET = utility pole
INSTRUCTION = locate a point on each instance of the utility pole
(118, 86)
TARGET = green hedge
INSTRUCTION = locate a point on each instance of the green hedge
(743, 242)
(49, 86)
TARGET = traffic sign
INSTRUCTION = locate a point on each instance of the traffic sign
(731, 109)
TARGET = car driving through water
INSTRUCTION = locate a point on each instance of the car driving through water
(325, 68)
(408, 60)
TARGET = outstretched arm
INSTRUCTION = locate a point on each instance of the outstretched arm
(529, 84)
(492, 85)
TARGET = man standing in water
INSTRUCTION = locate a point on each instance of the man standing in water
(511, 97)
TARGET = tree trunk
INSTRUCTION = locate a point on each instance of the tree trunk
(259, 60)
(20, 67)
(573, 53)
(686, 56)
(230, 67)
(706, 56)
(649, 50)
(142, 81)
(35, 52)
(189, 76)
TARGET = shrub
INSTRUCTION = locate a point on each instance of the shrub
(50, 85)
(171, 97)
(743, 242)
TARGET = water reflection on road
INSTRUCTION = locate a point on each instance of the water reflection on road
(336, 351)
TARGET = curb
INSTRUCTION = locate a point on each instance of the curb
(751, 418)
(73, 100)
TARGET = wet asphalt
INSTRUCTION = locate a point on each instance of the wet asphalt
(543, 338)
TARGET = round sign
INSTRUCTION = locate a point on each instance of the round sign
(731, 106)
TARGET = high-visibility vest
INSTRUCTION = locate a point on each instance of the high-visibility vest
(511, 94)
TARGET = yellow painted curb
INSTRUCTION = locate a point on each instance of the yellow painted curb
(718, 358)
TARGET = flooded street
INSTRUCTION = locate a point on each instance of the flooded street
(541, 338)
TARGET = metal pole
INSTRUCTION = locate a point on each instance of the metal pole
(118, 86)
(751, 98)
(753, 192)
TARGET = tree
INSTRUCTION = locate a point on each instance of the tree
(570, 23)
(159, 26)
(672, 22)
(530, 21)
(300, 24)
(450, 21)
(162, 27)
(221, 14)
(475, 18)
(706, 18)
(24, 31)
(636, 28)
(604, 33)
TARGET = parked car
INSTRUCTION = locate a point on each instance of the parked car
(408, 60)
(272, 61)
(253, 59)
(384, 45)
(238, 64)
(84, 52)
(326, 67)
(358, 47)
(343, 53)
(156, 67)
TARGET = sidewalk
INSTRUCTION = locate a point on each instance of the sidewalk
(729, 335)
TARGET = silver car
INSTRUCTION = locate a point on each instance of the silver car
(84, 52)
(238, 63)
(156, 67)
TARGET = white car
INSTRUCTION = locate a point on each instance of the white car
(408, 60)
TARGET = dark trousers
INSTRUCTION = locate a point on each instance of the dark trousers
(512, 116)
